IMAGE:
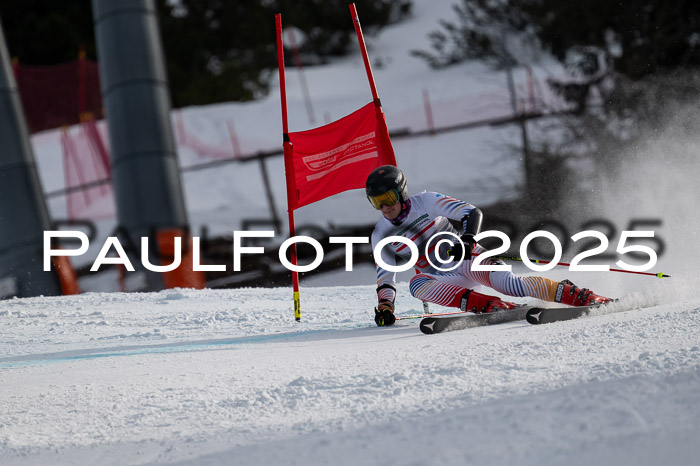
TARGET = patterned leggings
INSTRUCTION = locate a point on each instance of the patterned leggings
(447, 288)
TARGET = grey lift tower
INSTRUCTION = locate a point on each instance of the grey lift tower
(23, 212)
(134, 83)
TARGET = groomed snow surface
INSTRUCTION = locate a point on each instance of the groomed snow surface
(217, 377)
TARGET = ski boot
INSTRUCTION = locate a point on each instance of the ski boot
(480, 303)
(568, 293)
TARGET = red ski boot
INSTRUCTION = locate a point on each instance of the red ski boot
(479, 303)
(568, 293)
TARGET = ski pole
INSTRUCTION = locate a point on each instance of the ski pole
(565, 264)
(420, 316)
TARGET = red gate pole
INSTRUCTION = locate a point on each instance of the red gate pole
(365, 57)
(375, 96)
(288, 166)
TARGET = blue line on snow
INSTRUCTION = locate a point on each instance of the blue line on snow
(67, 356)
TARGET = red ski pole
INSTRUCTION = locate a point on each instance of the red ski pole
(565, 264)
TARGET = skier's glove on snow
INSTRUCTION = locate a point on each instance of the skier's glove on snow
(384, 313)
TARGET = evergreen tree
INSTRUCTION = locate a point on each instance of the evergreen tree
(629, 64)
(635, 38)
(216, 50)
(42, 32)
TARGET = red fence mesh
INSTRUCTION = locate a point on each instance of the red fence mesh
(86, 161)
(53, 96)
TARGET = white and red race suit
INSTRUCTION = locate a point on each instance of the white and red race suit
(426, 215)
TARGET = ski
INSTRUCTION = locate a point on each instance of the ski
(542, 315)
(431, 325)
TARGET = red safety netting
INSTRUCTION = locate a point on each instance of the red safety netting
(189, 139)
(86, 162)
(54, 96)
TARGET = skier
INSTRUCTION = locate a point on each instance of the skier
(420, 217)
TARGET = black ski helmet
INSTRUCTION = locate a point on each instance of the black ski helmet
(386, 179)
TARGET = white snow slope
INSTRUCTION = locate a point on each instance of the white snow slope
(227, 377)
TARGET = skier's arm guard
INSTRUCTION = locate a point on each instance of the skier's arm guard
(471, 223)
(472, 226)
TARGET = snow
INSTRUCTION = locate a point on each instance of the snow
(202, 377)
(214, 377)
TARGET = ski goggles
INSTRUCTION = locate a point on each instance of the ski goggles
(388, 199)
